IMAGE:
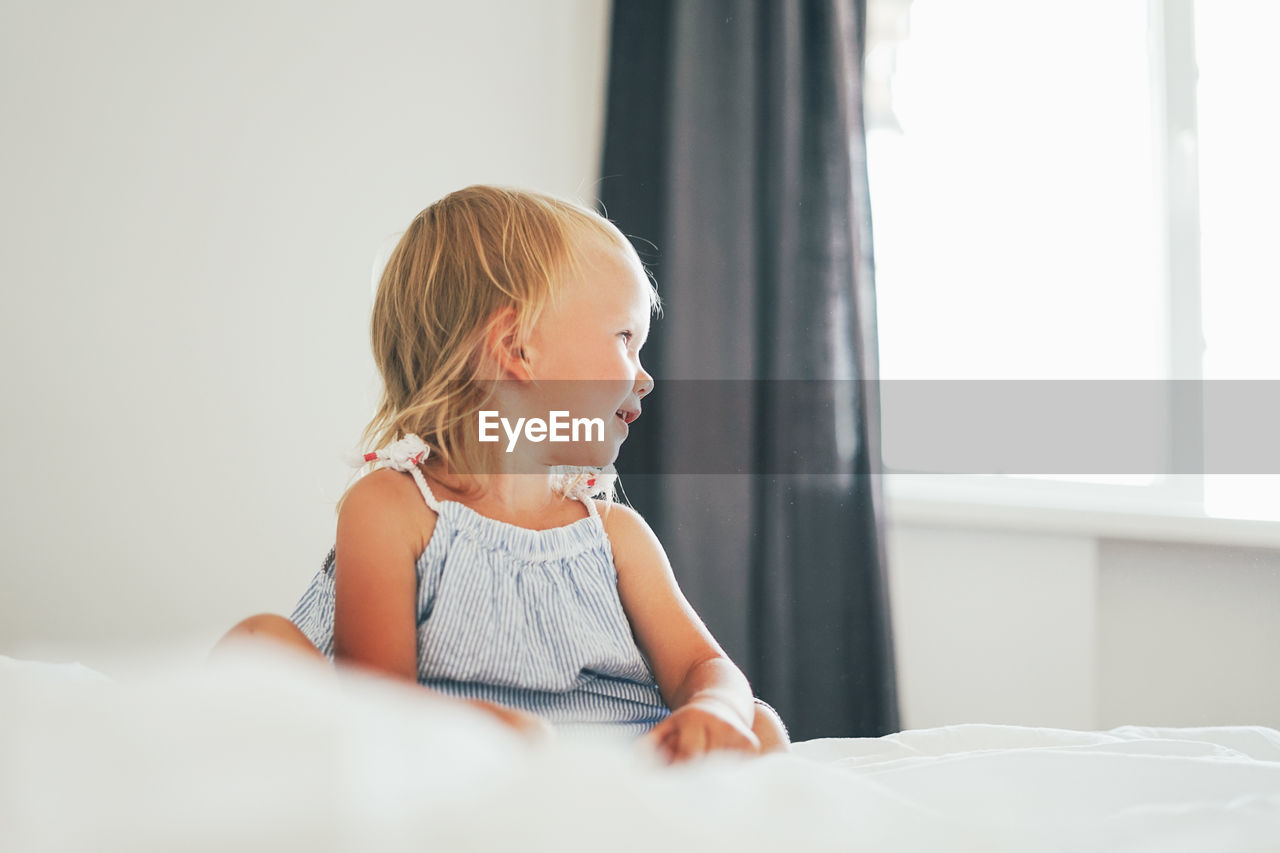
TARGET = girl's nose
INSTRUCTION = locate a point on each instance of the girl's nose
(644, 383)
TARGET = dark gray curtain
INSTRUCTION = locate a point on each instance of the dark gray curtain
(734, 160)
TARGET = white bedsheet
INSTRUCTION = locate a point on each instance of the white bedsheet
(267, 753)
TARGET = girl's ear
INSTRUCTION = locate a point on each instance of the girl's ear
(503, 344)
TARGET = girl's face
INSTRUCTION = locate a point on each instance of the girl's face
(584, 353)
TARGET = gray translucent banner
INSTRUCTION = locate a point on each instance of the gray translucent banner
(1064, 427)
(1117, 427)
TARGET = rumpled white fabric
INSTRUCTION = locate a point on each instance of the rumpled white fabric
(268, 752)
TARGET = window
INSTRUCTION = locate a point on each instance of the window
(1057, 194)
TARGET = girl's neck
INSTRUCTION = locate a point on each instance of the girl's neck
(526, 500)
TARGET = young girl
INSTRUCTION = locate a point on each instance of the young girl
(488, 570)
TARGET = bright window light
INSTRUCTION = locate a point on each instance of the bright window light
(1240, 218)
(1021, 203)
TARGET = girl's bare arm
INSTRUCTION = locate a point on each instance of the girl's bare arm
(383, 527)
(711, 701)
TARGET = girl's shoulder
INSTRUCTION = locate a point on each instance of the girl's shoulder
(387, 503)
(631, 538)
(386, 487)
(616, 515)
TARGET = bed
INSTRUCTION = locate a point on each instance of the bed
(265, 752)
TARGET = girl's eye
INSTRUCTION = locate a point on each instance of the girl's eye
(627, 336)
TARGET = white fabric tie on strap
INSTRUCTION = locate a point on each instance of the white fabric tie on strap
(404, 455)
(583, 484)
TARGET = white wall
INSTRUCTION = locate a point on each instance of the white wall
(193, 196)
(997, 622)
(1191, 634)
(993, 627)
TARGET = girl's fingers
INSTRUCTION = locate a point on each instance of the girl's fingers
(692, 742)
(659, 739)
(668, 746)
(657, 734)
(678, 739)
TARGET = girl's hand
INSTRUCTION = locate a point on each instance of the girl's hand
(534, 728)
(699, 727)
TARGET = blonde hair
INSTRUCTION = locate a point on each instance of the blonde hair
(463, 262)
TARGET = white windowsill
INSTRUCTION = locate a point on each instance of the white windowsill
(973, 503)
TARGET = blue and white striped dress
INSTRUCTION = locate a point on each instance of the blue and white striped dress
(529, 619)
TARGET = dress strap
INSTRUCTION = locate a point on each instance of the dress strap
(585, 483)
(406, 455)
(426, 490)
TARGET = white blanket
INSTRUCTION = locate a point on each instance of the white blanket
(268, 753)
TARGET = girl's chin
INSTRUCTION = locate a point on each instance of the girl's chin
(599, 455)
